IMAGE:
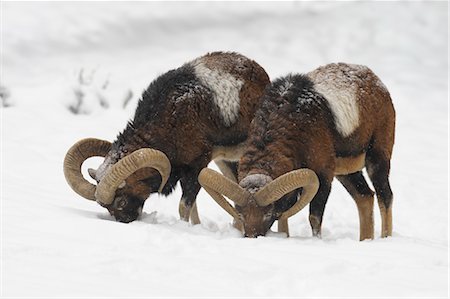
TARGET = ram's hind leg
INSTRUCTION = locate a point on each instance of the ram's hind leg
(378, 164)
(358, 188)
(378, 167)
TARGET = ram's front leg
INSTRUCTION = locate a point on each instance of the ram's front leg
(317, 205)
(188, 206)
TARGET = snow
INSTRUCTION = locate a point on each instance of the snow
(56, 244)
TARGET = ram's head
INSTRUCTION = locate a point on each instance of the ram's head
(123, 185)
(259, 200)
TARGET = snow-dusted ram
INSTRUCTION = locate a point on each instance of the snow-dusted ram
(331, 122)
(186, 118)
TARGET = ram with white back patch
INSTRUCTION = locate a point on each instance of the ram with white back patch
(309, 129)
(186, 117)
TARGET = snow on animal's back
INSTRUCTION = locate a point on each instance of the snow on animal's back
(339, 83)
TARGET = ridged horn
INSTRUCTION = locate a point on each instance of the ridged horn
(145, 157)
(300, 178)
(76, 155)
(217, 185)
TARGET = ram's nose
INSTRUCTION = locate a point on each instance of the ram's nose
(125, 218)
(252, 233)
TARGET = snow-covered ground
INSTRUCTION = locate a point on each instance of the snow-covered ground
(56, 244)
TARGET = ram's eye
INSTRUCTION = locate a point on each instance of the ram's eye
(122, 203)
(268, 216)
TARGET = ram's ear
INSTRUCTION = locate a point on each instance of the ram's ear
(93, 173)
(144, 173)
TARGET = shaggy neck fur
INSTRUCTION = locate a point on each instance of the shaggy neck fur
(153, 122)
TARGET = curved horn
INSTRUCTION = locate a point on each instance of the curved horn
(286, 183)
(145, 157)
(215, 181)
(75, 157)
(217, 184)
(306, 197)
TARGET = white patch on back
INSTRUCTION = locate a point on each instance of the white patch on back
(340, 92)
(225, 87)
(343, 106)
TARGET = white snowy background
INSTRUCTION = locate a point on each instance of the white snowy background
(56, 244)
